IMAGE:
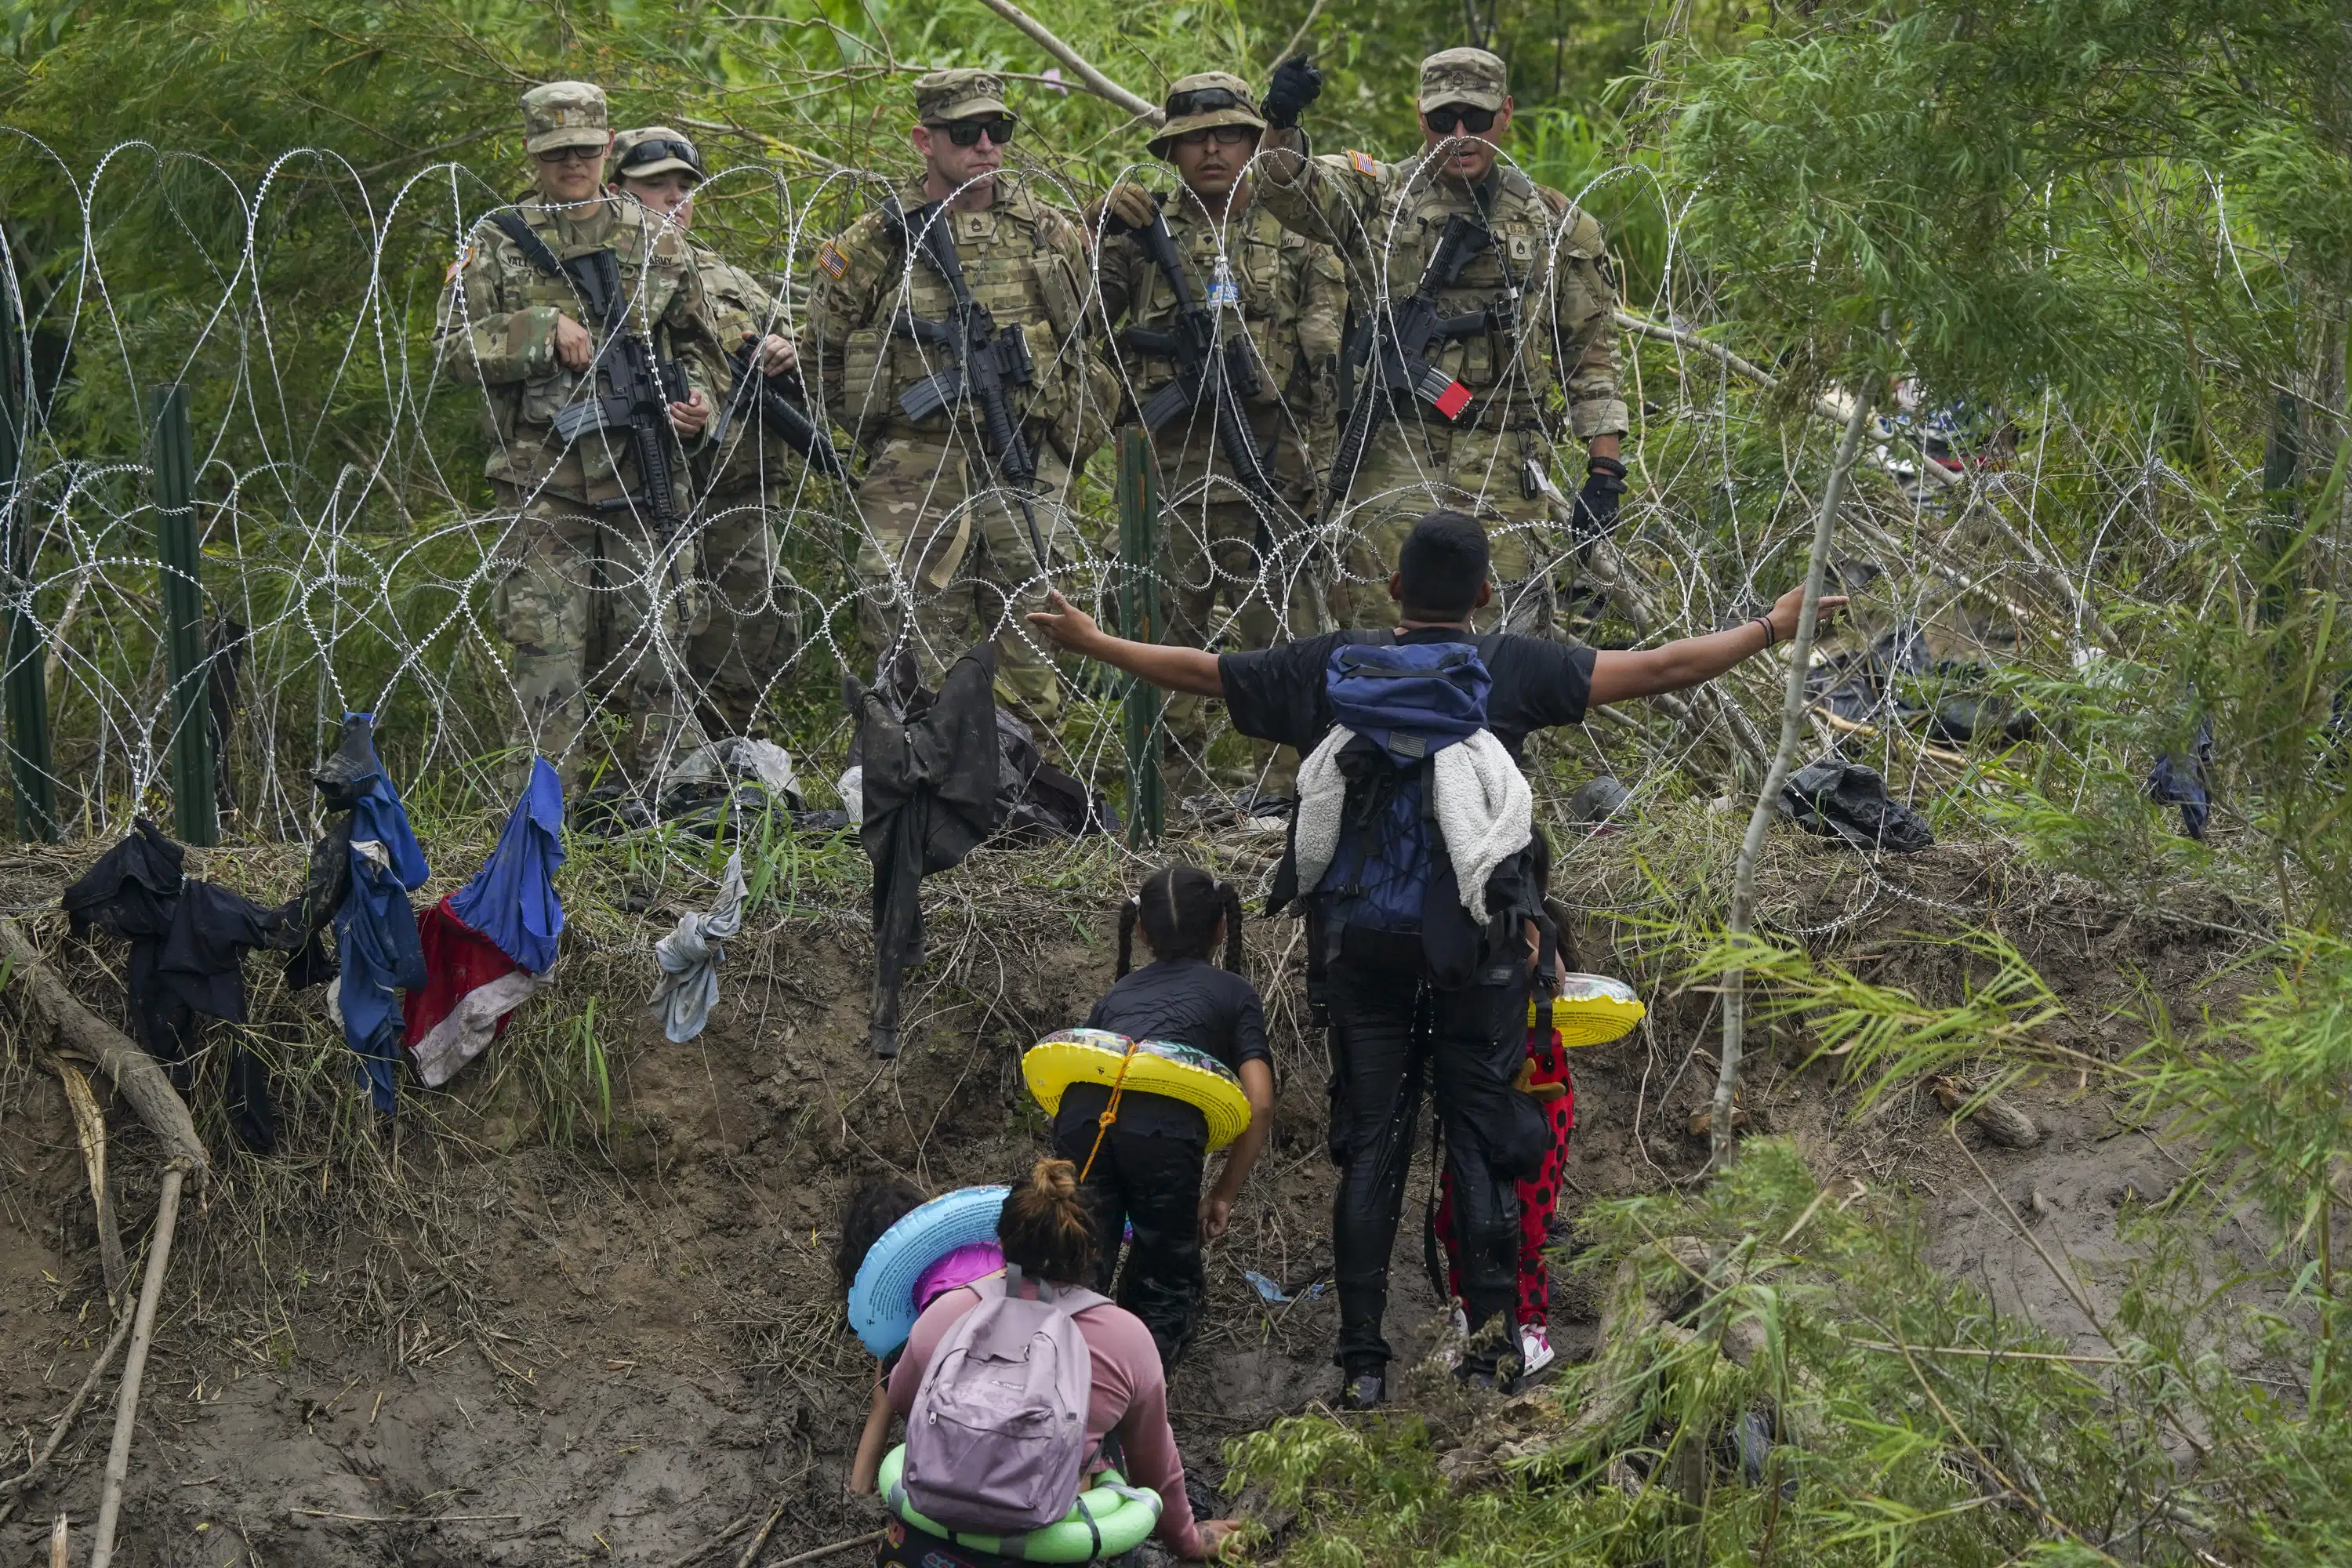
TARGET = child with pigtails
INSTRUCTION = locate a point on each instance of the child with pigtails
(1143, 1164)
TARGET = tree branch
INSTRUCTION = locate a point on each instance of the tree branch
(1792, 724)
(1096, 83)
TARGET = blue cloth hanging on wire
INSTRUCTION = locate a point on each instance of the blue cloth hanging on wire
(376, 930)
(512, 899)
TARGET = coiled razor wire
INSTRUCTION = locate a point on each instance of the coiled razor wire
(350, 561)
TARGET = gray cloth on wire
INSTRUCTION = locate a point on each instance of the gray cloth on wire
(689, 957)
(930, 792)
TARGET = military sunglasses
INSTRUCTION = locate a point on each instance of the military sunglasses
(555, 155)
(1222, 135)
(653, 152)
(968, 132)
(1203, 99)
(1446, 117)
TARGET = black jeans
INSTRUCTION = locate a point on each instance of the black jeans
(1390, 1024)
(1154, 1184)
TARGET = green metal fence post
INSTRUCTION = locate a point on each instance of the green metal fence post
(173, 458)
(1138, 612)
(26, 680)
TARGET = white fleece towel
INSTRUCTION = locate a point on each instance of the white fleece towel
(1484, 810)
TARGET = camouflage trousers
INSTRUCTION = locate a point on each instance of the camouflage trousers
(1407, 475)
(1208, 555)
(747, 624)
(590, 606)
(948, 558)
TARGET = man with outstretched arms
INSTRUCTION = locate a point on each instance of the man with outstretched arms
(1481, 329)
(582, 320)
(1230, 366)
(947, 336)
(1410, 853)
(747, 623)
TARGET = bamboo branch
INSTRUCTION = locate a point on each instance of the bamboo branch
(1096, 83)
(134, 1367)
(1792, 723)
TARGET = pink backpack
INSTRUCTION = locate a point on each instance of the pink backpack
(997, 1436)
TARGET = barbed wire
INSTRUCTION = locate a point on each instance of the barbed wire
(349, 562)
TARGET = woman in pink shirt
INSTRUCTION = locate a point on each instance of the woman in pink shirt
(1046, 1231)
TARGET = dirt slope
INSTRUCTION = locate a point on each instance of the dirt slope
(477, 1348)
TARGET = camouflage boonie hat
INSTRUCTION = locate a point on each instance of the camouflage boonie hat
(1471, 77)
(646, 151)
(1185, 112)
(962, 94)
(562, 114)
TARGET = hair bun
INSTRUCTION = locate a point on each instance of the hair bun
(1058, 1179)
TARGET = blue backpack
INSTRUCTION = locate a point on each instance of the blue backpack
(1406, 703)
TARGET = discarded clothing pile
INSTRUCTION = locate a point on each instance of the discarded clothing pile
(1837, 799)
(188, 941)
(711, 790)
(489, 946)
(1897, 680)
(478, 954)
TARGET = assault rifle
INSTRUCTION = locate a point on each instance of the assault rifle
(983, 359)
(634, 387)
(1394, 360)
(763, 398)
(1224, 375)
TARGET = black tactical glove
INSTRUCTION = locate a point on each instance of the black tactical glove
(1297, 83)
(1596, 503)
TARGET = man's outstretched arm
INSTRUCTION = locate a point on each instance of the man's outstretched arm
(1187, 669)
(1621, 674)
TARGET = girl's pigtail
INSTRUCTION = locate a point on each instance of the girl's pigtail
(1127, 914)
(1229, 898)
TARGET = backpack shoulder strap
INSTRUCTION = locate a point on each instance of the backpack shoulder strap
(509, 222)
(1488, 646)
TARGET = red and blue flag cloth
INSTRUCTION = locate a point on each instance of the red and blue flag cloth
(490, 944)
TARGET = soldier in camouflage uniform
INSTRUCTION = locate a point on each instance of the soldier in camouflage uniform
(586, 589)
(1557, 366)
(949, 545)
(1288, 294)
(747, 624)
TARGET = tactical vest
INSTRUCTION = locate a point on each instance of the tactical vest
(1016, 273)
(739, 305)
(1260, 264)
(522, 417)
(1515, 383)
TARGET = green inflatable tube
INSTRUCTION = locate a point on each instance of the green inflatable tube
(1123, 1518)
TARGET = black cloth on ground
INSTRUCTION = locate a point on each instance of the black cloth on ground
(930, 796)
(1192, 1002)
(1278, 694)
(188, 941)
(1389, 1025)
(1153, 1184)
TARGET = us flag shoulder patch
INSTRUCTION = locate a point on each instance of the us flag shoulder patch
(829, 256)
(458, 266)
(1364, 163)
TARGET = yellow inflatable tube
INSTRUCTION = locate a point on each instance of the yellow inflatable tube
(1591, 1010)
(1151, 1067)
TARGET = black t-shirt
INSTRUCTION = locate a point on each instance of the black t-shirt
(1190, 1002)
(1279, 694)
